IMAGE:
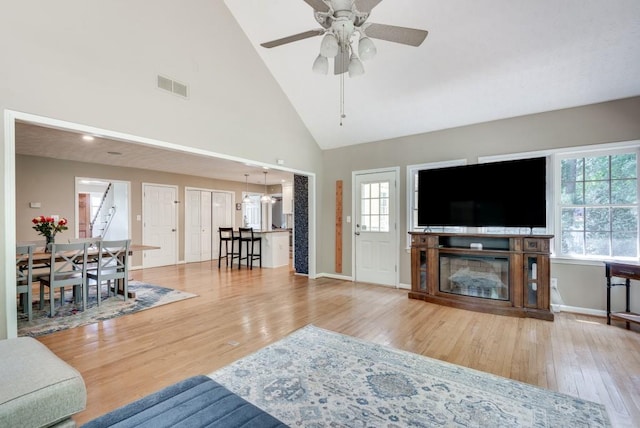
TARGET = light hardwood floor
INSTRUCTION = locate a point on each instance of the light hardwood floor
(239, 311)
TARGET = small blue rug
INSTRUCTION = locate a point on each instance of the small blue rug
(70, 314)
(318, 378)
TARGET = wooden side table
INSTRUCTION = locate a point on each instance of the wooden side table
(628, 271)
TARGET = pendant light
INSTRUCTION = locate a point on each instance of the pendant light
(246, 198)
(265, 198)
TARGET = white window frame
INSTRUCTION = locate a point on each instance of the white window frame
(553, 185)
(254, 205)
(557, 191)
(412, 177)
(377, 207)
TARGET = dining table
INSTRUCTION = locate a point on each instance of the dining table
(41, 257)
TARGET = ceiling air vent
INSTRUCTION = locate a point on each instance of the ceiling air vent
(173, 86)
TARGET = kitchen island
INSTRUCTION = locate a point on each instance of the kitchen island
(275, 247)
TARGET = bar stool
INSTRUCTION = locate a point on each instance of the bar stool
(247, 236)
(227, 235)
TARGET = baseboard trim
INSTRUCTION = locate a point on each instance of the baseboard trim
(350, 278)
(582, 311)
(334, 276)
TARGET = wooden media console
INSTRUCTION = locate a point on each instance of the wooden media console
(499, 274)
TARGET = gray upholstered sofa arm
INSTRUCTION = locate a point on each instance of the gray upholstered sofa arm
(38, 389)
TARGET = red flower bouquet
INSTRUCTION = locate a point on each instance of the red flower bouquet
(49, 226)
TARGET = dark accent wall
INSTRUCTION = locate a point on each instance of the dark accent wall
(301, 223)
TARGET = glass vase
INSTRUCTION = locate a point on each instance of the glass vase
(50, 240)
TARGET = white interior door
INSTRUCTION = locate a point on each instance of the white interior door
(205, 225)
(198, 239)
(222, 216)
(193, 230)
(159, 228)
(375, 224)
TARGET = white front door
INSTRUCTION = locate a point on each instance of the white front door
(375, 224)
(159, 224)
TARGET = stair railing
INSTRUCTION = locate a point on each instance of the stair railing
(100, 214)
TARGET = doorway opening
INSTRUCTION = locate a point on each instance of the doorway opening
(102, 208)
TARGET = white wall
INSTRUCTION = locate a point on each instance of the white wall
(95, 63)
(581, 285)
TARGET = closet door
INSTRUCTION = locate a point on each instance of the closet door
(193, 229)
(159, 227)
(205, 226)
(198, 239)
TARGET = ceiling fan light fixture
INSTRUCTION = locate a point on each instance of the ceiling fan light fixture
(366, 48)
(329, 47)
(321, 65)
(356, 68)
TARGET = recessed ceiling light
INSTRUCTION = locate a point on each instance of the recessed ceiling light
(87, 138)
(115, 153)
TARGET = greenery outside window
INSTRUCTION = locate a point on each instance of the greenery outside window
(592, 201)
(598, 205)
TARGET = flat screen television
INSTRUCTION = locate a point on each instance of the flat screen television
(508, 194)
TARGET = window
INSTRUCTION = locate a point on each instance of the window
(598, 205)
(251, 211)
(592, 203)
(412, 196)
(374, 212)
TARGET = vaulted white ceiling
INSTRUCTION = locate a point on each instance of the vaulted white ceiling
(481, 61)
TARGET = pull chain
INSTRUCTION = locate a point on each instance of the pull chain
(342, 115)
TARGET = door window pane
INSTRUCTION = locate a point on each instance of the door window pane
(374, 206)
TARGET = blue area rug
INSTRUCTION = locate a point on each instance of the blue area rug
(70, 314)
(318, 378)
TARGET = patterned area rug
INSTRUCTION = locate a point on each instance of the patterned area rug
(318, 378)
(70, 315)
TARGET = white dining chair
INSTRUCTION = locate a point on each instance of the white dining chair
(68, 268)
(93, 242)
(24, 277)
(112, 265)
(92, 259)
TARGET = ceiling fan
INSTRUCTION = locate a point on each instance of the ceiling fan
(340, 21)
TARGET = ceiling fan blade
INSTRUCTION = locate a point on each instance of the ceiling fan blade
(366, 5)
(341, 62)
(293, 38)
(318, 5)
(391, 33)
